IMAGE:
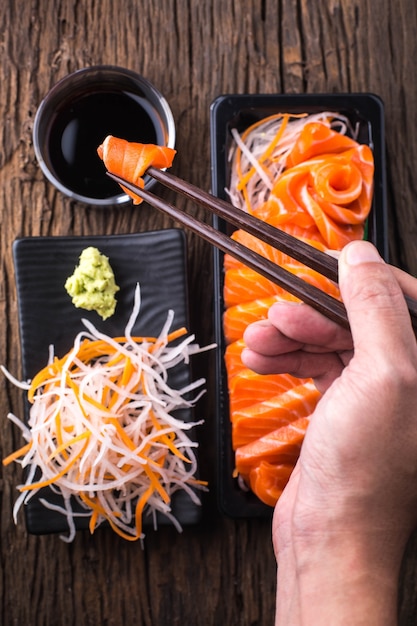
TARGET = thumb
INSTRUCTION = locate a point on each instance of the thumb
(375, 304)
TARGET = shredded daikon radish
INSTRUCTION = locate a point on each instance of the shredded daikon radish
(102, 430)
(259, 154)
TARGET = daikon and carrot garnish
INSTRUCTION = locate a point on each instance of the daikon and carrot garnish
(103, 429)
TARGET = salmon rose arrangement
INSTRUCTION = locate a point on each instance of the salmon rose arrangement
(309, 176)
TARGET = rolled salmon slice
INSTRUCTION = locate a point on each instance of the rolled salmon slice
(317, 138)
(331, 191)
(130, 160)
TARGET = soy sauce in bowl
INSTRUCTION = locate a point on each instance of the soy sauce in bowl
(76, 116)
(75, 135)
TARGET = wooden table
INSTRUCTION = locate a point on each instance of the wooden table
(221, 571)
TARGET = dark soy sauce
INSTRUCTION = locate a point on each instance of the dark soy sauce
(78, 130)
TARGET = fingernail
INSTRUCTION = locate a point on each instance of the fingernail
(359, 252)
(334, 253)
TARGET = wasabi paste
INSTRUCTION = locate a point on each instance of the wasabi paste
(92, 285)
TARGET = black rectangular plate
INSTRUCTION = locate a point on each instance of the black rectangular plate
(240, 111)
(156, 260)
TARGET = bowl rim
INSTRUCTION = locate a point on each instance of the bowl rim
(158, 101)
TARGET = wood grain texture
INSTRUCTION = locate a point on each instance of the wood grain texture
(222, 572)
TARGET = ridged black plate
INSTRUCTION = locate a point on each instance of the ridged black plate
(156, 260)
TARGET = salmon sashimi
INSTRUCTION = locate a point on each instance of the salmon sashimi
(333, 192)
(258, 246)
(130, 160)
(290, 217)
(268, 480)
(237, 318)
(232, 358)
(243, 284)
(247, 387)
(314, 278)
(279, 446)
(268, 251)
(259, 419)
(310, 234)
(306, 177)
(317, 138)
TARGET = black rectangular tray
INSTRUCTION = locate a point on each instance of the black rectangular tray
(239, 111)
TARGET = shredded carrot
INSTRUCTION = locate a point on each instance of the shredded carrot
(102, 429)
(267, 153)
(17, 454)
(67, 444)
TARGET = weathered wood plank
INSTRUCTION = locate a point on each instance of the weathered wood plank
(224, 571)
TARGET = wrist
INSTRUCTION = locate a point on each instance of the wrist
(338, 577)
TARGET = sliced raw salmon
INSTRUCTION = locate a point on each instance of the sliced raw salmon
(321, 194)
(279, 446)
(314, 278)
(258, 246)
(242, 284)
(268, 480)
(237, 318)
(312, 238)
(309, 234)
(317, 138)
(332, 192)
(246, 387)
(130, 160)
(259, 419)
(232, 358)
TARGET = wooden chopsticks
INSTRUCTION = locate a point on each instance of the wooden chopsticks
(296, 249)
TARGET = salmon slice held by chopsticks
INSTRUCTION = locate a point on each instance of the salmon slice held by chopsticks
(130, 160)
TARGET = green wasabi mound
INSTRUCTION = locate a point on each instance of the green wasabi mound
(92, 285)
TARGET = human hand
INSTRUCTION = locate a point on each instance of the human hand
(351, 502)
